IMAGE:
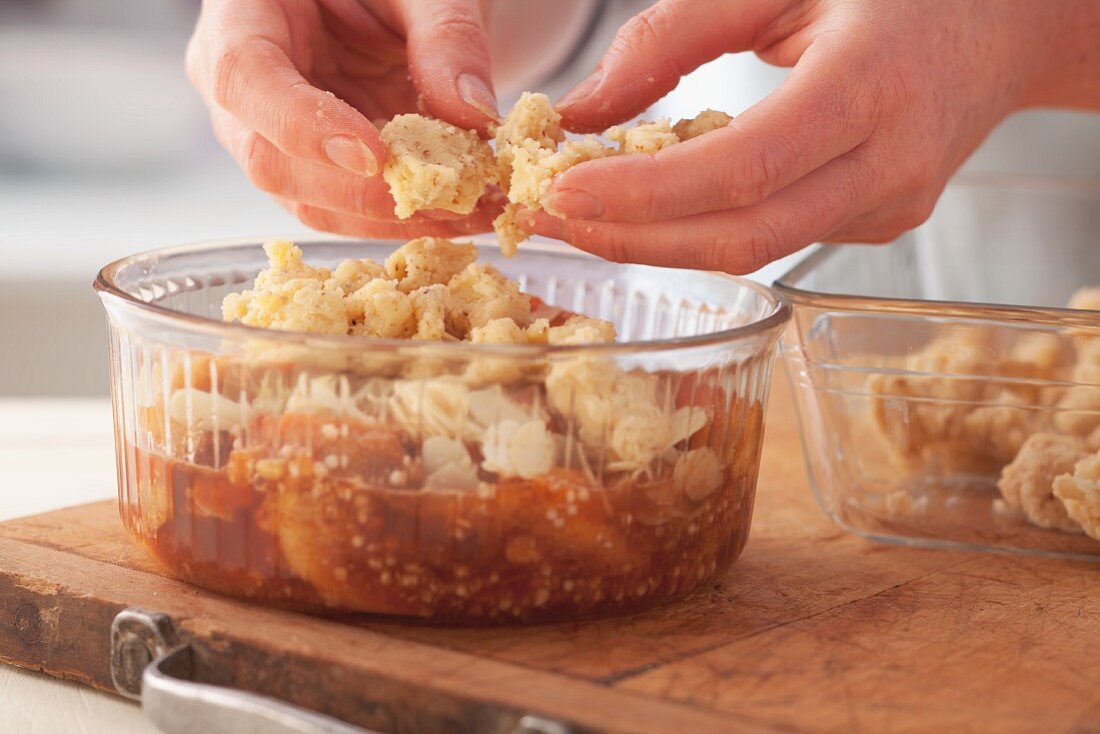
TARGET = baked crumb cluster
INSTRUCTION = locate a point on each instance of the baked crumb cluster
(429, 288)
(1016, 415)
(432, 164)
(473, 487)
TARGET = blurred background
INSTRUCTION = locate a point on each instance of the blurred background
(105, 150)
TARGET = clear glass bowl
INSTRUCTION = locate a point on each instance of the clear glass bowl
(920, 369)
(458, 482)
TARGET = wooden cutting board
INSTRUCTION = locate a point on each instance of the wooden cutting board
(812, 630)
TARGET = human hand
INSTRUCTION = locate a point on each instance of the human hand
(292, 87)
(885, 101)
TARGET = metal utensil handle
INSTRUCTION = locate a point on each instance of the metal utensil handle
(179, 706)
(149, 663)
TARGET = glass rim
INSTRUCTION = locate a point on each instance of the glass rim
(107, 287)
(786, 285)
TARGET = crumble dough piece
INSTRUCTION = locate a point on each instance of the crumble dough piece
(433, 165)
(531, 121)
(507, 331)
(918, 411)
(1079, 409)
(289, 296)
(509, 230)
(379, 309)
(704, 122)
(645, 137)
(479, 294)
(429, 288)
(579, 329)
(351, 275)
(428, 261)
(953, 404)
(488, 370)
(1080, 494)
(534, 167)
(430, 305)
(532, 150)
(999, 430)
(1026, 483)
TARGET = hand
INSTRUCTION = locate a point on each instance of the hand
(292, 87)
(885, 101)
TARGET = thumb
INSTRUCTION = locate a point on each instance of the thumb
(448, 56)
(657, 47)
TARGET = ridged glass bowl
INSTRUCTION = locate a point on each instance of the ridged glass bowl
(452, 481)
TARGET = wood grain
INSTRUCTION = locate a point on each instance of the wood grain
(812, 630)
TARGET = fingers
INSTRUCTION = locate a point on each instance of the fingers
(654, 49)
(448, 50)
(734, 240)
(244, 67)
(887, 224)
(327, 220)
(816, 116)
(274, 172)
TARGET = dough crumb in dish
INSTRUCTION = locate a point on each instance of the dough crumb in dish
(1030, 412)
(290, 296)
(433, 165)
(961, 395)
(1026, 483)
(428, 261)
(1080, 494)
(429, 288)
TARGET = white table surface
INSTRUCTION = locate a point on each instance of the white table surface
(53, 454)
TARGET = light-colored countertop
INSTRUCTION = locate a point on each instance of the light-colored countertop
(53, 454)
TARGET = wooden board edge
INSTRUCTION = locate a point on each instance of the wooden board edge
(61, 626)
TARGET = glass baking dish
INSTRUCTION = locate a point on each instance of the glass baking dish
(353, 474)
(944, 390)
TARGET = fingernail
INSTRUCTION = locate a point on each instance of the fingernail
(476, 93)
(582, 90)
(352, 154)
(573, 204)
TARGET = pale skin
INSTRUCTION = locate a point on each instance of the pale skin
(885, 101)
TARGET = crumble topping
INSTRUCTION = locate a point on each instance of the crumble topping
(429, 288)
(434, 165)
